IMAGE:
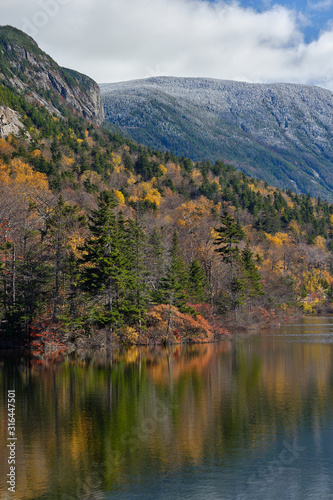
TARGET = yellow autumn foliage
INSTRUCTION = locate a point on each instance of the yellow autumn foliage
(120, 197)
(190, 212)
(278, 239)
(68, 161)
(36, 153)
(153, 196)
(312, 280)
(145, 191)
(163, 169)
(116, 162)
(294, 227)
(5, 147)
(75, 243)
(196, 175)
(94, 178)
(131, 180)
(319, 242)
(19, 174)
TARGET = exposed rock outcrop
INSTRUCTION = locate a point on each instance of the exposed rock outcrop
(30, 70)
(10, 123)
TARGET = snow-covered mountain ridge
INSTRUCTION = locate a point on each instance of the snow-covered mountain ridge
(279, 132)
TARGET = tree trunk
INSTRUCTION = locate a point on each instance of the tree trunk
(13, 276)
(56, 295)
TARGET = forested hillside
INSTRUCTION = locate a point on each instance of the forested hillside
(280, 132)
(99, 234)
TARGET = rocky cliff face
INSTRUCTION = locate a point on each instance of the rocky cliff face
(10, 123)
(24, 66)
(281, 133)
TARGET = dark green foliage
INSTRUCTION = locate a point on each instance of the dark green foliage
(147, 168)
(197, 283)
(229, 236)
(252, 275)
(59, 226)
(107, 266)
(173, 285)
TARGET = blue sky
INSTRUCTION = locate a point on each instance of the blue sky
(246, 40)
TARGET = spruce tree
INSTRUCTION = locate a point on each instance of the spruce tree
(173, 285)
(229, 236)
(59, 228)
(107, 276)
(139, 295)
(156, 257)
(197, 282)
(253, 277)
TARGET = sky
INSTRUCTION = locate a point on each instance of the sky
(260, 41)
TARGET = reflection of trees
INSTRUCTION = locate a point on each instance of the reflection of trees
(219, 399)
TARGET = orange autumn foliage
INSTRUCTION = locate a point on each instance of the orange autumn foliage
(183, 326)
(5, 147)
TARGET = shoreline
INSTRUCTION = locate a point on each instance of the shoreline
(56, 343)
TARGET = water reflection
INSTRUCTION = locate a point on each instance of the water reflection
(206, 422)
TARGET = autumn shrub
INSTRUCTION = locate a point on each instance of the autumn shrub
(127, 335)
(168, 324)
(308, 308)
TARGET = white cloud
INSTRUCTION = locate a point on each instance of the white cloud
(114, 40)
(320, 5)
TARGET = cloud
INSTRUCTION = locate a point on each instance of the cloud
(321, 5)
(114, 40)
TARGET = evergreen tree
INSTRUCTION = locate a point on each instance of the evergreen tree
(252, 275)
(106, 266)
(142, 166)
(172, 286)
(59, 227)
(135, 248)
(197, 282)
(156, 261)
(229, 236)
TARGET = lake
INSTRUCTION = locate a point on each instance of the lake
(249, 418)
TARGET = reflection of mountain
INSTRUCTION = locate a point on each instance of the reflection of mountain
(146, 411)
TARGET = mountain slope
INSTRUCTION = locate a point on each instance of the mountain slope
(281, 132)
(59, 273)
(27, 69)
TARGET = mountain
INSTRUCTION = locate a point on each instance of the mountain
(68, 185)
(28, 70)
(281, 133)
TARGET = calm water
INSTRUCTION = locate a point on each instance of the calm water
(247, 419)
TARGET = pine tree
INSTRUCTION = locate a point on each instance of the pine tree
(172, 286)
(59, 227)
(197, 282)
(177, 265)
(106, 270)
(156, 257)
(229, 236)
(134, 248)
(253, 278)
